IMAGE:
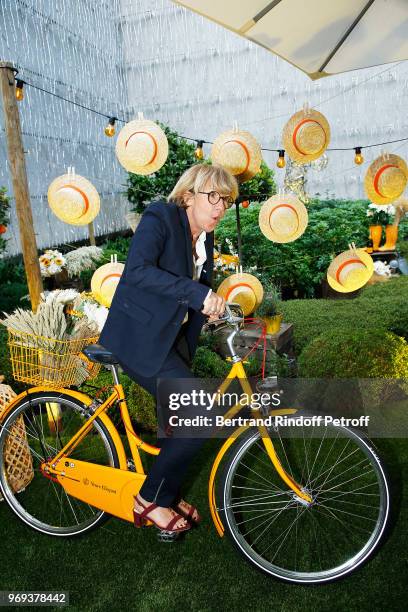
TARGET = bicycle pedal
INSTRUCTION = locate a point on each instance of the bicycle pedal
(167, 536)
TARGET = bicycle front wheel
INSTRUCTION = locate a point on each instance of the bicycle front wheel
(288, 538)
(36, 430)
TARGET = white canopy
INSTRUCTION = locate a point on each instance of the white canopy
(321, 37)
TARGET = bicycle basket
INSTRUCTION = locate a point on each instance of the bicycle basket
(50, 362)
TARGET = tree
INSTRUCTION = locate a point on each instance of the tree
(144, 189)
(262, 185)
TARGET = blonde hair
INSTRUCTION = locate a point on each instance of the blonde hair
(195, 178)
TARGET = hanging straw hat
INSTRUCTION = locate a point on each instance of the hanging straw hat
(73, 199)
(306, 135)
(243, 289)
(105, 280)
(238, 152)
(283, 218)
(142, 146)
(350, 270)
(386, 178)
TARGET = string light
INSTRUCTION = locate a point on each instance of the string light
(358, 158)
(19, 89)
(199, 153)
(281, 159)
(110, 128)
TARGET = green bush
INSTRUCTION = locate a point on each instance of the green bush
(5, 363)
(207, 364)
(275, 365)
(209, 340)
(142, 407)
(119, 245)
(143, 189)
(4, 216)
(355, 353)
(13, 284)
(300, 265)
(380, 306)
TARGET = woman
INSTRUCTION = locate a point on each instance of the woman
(157, 313)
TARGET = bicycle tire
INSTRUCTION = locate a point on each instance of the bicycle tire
(16, 500)
(225, 496)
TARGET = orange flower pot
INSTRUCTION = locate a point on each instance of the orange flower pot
(375, 235)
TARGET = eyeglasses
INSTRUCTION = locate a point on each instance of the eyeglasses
(214, 197)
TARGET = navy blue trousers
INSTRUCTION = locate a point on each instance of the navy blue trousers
(162, 484)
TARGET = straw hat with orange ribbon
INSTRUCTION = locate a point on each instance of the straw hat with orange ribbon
(350, 270)
(283, 218)
(73, 199)
(243, 289)
(386, 178)
(238, 152)
(105, 280)
(306, 135)
(142, 146)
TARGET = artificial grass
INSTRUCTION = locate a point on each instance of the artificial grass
(118, 567)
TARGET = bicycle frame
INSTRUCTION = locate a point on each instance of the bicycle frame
(112, 489)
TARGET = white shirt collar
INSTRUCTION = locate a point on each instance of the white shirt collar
(200, 249)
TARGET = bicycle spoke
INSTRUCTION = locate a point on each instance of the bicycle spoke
(44, 503)
(299, 540)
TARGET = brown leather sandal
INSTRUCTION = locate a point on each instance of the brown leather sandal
(140, 518)
(189, 515)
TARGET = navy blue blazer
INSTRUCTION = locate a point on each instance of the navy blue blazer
(156, 291)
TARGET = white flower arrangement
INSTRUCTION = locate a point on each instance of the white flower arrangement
(84, 258)
(230, 246)
(96, 313)
(387, 208)
(86, 304)
(51, 262)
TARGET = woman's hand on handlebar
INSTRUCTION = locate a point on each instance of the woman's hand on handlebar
(214, 306)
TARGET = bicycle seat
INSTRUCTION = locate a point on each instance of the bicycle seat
(98, 353)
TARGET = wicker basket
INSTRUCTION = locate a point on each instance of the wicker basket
(50, 362)
(17, 457)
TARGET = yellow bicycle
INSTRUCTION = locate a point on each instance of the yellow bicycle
(302, 506)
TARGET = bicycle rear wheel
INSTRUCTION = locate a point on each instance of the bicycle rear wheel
(49, 421)
(284, 536)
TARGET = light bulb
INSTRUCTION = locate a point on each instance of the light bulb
(19, 90)
(110, 128)
(199, 153)
(281, 159)
(358, 158)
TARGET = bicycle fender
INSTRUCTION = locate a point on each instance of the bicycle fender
(224, 448)
(87, 401)
(211, 483)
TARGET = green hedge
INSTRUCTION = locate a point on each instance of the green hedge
(355, 353)
(380, 306)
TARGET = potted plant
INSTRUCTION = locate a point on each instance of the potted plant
(379, 216)
(270, 309)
